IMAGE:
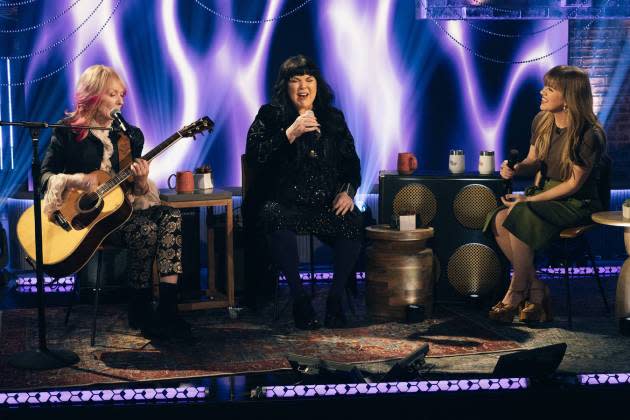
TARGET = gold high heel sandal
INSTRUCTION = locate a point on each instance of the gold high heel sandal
(504, 313)
(537, 312)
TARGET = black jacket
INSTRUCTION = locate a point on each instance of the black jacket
(67, 155)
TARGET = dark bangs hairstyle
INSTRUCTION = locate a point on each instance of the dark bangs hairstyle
(297, 66)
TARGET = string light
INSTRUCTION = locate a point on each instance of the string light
(19, 3)
(518, 35)
(39, 25)
(57, 43)
(237, 20)
(67, 63)
(496, 60)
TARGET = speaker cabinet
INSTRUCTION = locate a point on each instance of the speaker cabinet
(467, 262)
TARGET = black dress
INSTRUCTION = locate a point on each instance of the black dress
(295, 184)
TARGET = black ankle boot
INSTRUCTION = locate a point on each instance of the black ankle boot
(167, 323)
(304, 315)
(139, 311)
(335, 317)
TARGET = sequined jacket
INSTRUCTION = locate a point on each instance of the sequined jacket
(311, 170)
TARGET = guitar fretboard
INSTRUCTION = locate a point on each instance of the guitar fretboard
(121, 176)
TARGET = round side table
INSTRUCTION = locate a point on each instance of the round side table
(622, 300)
(399, 272)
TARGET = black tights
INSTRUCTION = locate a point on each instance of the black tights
(284, 251)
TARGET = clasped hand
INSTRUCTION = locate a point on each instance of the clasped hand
(510, 200)
(305, 123)
(342, 204)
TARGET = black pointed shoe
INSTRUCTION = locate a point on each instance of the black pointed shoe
(140, 308)
(304, 315)
(335, 317)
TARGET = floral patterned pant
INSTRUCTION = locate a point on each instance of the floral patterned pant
(156, 231)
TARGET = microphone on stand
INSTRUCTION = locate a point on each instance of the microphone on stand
(512, 160)
(117, 116)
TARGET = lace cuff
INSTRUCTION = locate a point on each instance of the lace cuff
(56, 192)
(149, 199)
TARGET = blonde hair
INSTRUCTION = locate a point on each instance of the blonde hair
(91, 85)
(575, 86)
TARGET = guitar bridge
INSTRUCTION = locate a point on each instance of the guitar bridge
(61, 221)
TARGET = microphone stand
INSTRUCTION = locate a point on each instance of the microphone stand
(43, 358)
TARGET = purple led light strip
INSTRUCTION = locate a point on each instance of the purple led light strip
(61, 285)
(102, 395)
(469, 385)
(604, 379)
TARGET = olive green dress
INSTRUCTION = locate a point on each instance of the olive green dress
(537, 223)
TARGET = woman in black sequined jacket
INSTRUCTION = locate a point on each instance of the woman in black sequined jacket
(307, 173)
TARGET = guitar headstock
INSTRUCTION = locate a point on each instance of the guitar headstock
(198, 127)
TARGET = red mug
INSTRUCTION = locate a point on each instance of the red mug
(184, 182)
(407, 163)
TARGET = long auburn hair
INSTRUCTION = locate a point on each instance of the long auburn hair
(91, 85)
(575, 86)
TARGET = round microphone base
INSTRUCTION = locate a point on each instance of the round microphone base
(43, 359)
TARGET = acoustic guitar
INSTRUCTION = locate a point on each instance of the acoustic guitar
(73, 233)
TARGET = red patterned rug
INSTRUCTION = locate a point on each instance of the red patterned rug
(222, 345)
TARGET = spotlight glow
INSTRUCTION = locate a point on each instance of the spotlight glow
(489, 125)
(375, 102)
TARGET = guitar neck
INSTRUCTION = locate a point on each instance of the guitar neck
(121, 176)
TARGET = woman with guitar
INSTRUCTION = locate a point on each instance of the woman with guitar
(152, 231)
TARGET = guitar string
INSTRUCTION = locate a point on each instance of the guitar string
(116, 180)
(126, 173)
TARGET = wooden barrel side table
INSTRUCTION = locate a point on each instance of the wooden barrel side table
(399, 272)
(622, 298)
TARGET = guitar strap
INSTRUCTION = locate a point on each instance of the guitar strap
(124, 151)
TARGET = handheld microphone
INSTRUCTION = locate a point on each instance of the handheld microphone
(512, 160)
(117, 116)
(318, 132)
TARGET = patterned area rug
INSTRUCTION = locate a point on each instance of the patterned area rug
(250, 343)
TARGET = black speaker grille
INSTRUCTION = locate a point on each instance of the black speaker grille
(472, 204)
(418, 199)
(473, 269)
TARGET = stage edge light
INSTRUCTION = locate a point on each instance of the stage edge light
(335, 390)
(16, 399)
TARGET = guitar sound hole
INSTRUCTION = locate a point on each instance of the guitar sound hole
(88, 201)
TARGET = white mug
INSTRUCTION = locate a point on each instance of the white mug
(456, 162)
(625, 211)
(203, 181)
(486, 162)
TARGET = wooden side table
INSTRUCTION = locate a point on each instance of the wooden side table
(399, 272)
(212, 198)
(622, 300)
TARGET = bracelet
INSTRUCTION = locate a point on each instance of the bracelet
(144, 191)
